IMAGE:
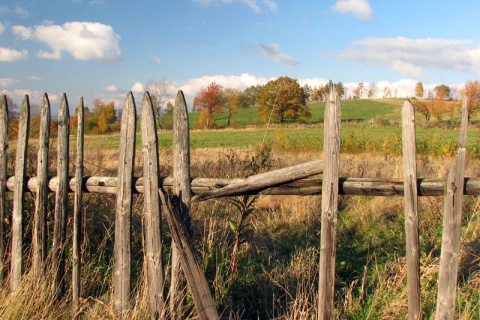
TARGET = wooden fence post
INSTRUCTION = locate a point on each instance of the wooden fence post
(39, 245)
(61, 199)
(328, 240)
(411, 209)
(77, 211)
(3, 174)
(181, 189)
(452, 218)
(123, 214)
(201, 295)
(19, 195)
(151, 211)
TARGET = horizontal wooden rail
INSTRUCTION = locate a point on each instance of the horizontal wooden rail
(306, 187)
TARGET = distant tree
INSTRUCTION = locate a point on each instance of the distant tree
(12, 107)
(169, 109)
(372, 91)
(387, 92)
(250, 94)
(210, 99)
(472, 94)
(340, 89)
(233, 100)
(308, 91)
(101, 118)
(421, 107)
(442, 92)
(419, 90)
(160, 93)
(358, 91)
(283, 98)
(318, 93)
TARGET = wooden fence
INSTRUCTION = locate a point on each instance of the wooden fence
(171, 196)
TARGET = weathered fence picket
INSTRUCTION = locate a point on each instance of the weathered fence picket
(180, 188)
(39, 245)
(411, 210)
(123, 214)
(61, 199)
(328, 233)
(3, 175)
(19, 195)
(452, 218)
(151, 211)
(77, 211)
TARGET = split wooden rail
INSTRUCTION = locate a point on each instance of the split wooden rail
(171, 197)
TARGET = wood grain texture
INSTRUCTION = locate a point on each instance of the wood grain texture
(411, 210)
(3, 174)
(61, 199)
(123, 214)
(19, 195)
(151, 211)
(328, 237)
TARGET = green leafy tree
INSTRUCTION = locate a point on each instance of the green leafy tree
(250, 94)
(233, 100)
(472, 93)
(284, 99)
(442, 92)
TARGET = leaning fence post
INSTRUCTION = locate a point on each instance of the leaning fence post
(452, 218)
(328, 240)
(151, 210)
(77, 212)
(3, 173)
(411, 209)
(123, 214)
(181, 189)
(19, 195)
(39, 246)
(61, 199)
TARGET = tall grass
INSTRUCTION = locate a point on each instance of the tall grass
(261, 256)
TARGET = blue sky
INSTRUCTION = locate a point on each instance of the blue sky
(104, 48)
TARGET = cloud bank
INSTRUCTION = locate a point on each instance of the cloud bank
(82, 40)
(409, 56)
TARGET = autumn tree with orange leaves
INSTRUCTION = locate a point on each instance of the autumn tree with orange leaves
(472, 94)
(209, 101)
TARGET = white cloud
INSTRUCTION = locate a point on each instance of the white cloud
(255, 5)
(83, 40)
(111, 88)
(7, 82)
(11, 55)
(22, 12)
(410, 56)
(2, 28)
(156, 60)
(23, 32)
(137, 87)
(359, 8)
(272, 52)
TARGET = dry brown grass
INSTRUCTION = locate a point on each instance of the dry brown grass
(281, 252)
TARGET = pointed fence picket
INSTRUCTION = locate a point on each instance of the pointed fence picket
(173, 194)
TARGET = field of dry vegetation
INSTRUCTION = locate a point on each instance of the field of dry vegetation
(261, 253)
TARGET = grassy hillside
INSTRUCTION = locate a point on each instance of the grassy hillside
(353, 110)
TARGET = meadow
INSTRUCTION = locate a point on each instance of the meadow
(260, 253)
